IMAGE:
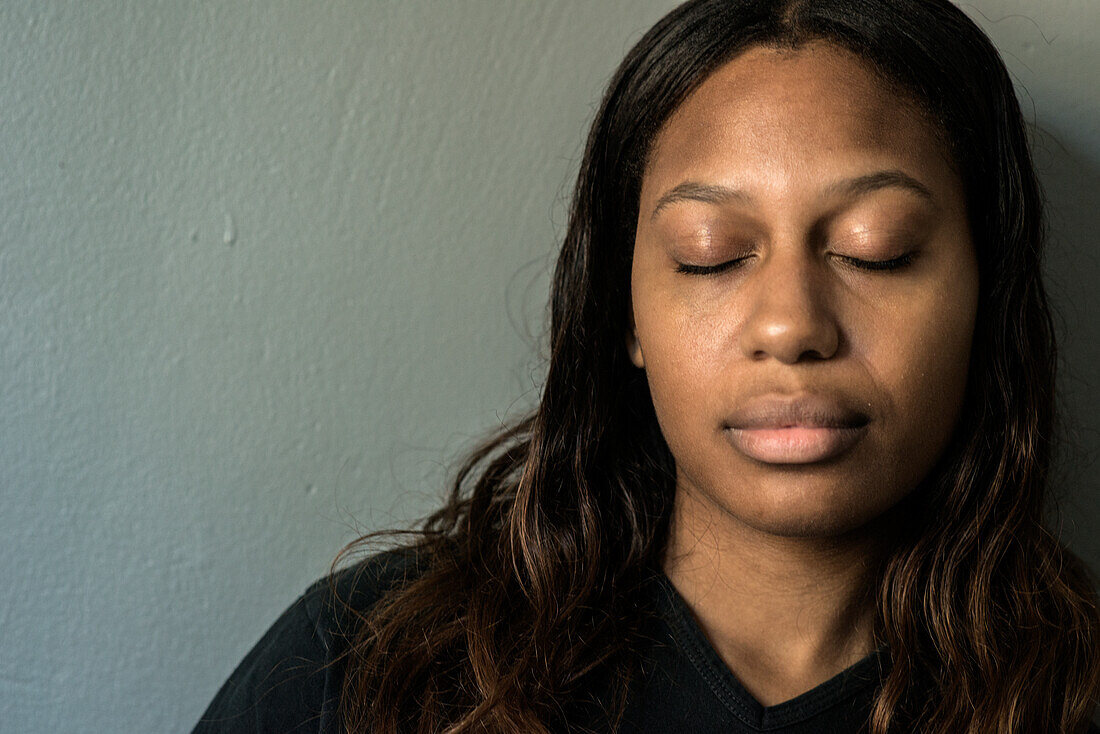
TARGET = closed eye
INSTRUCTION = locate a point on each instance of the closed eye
(893, 264)
(871, 265)
(689, 269)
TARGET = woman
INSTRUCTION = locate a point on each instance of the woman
(788, 469)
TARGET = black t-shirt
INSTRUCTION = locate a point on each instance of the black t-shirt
(291, 680)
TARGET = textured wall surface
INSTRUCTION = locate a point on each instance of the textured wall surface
(266, 266)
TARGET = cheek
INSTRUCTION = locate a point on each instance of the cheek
(920, 360)
(686, 351)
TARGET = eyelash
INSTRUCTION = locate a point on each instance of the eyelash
(879, 265)
(709, 269)
(870, 265)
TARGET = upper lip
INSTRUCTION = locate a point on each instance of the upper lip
(805, 411)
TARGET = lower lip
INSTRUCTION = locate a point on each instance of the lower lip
(794, 445)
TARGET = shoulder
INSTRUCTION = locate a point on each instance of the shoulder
(291, 679)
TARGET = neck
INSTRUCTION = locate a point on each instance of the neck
(785, 614)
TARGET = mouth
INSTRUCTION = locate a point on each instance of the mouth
(802, 430)
(793, 445)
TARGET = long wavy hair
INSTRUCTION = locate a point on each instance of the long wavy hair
(530, 576)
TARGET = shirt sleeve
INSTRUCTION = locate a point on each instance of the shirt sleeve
(286, 684)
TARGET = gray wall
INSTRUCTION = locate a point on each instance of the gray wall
(267, 266)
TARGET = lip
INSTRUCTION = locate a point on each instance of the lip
(802, 430)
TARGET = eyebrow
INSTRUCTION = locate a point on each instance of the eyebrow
(849, 189)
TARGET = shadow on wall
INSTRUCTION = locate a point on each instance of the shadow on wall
(1071, 183)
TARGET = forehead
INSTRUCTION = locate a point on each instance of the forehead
(771, 116)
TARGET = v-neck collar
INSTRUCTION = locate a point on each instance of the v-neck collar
(735, 697)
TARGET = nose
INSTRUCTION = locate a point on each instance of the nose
(789, 315)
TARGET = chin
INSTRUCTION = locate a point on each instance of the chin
(809, 509)
(803, 525)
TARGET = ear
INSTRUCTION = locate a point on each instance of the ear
(633, 347)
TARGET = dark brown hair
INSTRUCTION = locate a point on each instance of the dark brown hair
(529, 575)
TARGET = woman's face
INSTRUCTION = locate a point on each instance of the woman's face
(804, 290)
